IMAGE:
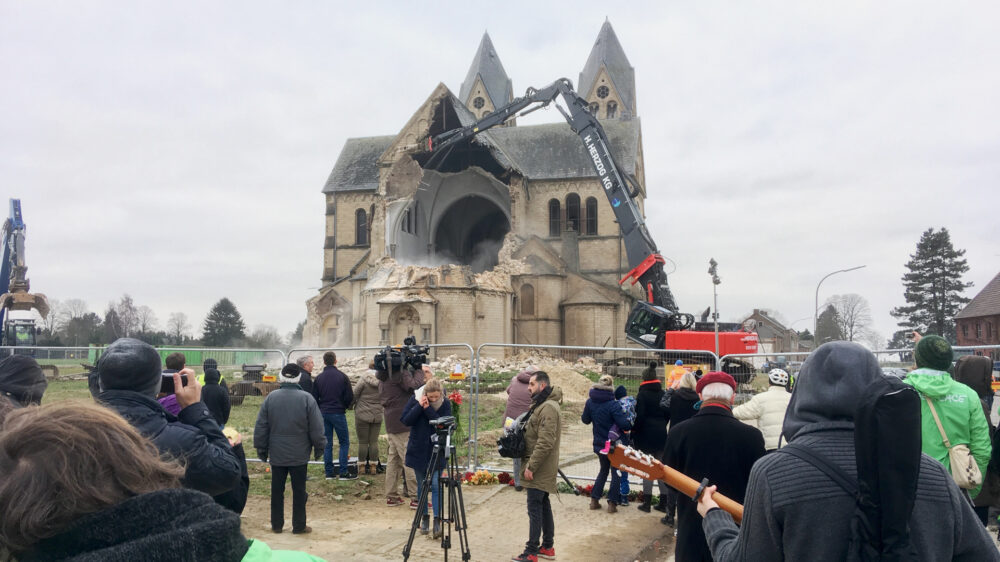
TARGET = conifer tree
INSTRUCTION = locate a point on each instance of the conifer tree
(933, 286)
(828, 326)
(224, 326)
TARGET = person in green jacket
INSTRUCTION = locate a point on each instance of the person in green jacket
(956, 405)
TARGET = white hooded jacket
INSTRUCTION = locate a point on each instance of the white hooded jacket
(766, 412)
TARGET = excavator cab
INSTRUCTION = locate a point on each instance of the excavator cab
(647, 324)
(20, 333)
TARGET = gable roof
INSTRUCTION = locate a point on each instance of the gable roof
(357, 166)
(608, 52)
(486, 65)
(986, 303)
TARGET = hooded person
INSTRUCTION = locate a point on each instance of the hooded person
(130, 377)
(518, 402)
(22, 383)
(976, 372)
(956, 405)
(794, 511)
(216, 397)
(604, 412)
(649, 432)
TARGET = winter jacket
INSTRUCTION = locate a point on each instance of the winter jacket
(332, 390)
(236, 499)
(192, 436)
(650, 430)
(961, 415)
(675, 376)
(766, 412)
(679, 403)
(289, 426)
(542, 434)
(166, 525)
(419, 447)
(976, 372)
(169, 403)
(367, 406)
(793, 511)
(216, 399)
(714, 445)
(306, 381)
(603, 411)
(394, 391)
(518, 396)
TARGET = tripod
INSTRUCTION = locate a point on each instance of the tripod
(453, 510)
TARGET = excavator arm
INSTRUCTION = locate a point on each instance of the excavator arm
(14, 285)
(648, 320)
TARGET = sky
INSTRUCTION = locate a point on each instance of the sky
(177, 151)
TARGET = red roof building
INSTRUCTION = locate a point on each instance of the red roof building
(979, 322)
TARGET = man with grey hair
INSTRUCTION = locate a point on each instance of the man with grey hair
(715, 445)
(306, 365)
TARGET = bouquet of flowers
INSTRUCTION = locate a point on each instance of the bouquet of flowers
(505, 478)
(482, 478)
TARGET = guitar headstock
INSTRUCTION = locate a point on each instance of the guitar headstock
(635, 462)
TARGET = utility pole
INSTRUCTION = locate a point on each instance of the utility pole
(713, 270)
(816, 341)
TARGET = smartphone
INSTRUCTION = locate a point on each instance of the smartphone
(167, 385)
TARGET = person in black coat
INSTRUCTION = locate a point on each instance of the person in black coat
(650, 433)
(216, 397)
(417, 414)
(715, 445)
(604, 411)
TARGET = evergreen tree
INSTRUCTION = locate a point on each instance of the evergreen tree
(828, 326)
(933, 286)
(223, 326)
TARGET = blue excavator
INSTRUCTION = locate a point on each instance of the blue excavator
(15, 290)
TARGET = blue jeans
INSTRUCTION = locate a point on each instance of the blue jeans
(435, 494)
(336, 422)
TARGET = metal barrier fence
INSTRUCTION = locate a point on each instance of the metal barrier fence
(574, 369)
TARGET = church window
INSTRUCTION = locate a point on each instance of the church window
(360, 228)
(602, 92)
(478, 103)
(573, 212)
(612, 109)
(554, 219)
(594, 108)
(591, 225)
(527, 300)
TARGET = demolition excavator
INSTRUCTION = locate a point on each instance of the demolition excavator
(654, 322)
(15, 290)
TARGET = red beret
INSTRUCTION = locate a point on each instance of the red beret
(715, 376)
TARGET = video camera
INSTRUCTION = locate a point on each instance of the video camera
(444, 424)
(393, 359)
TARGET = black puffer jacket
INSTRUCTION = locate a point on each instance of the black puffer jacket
(192, 436)
(650, 430)
(679, 403)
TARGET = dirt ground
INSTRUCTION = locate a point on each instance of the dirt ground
(368, 530)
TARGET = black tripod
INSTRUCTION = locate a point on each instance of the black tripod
(453, 510)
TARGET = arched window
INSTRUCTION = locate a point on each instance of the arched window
(612, 109)
(573, 212)
(591, 224)
(360, 228)
(527, 300)
(555, 226)
(594, 108)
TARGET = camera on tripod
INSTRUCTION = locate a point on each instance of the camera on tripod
(444, 425)
(393, 359)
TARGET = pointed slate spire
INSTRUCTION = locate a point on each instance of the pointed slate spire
(608, 52)
(487, 67)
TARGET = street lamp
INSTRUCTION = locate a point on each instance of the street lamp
(713, 270)
(816, 309)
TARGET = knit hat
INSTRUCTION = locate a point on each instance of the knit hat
(22, 380)
(933, 352)
(621, 392)
(130, 364)
(606, 380)
(649, 374)
(715, 376)
(210, 364)
(291, 373)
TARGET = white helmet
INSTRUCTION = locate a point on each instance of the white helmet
(778, 376)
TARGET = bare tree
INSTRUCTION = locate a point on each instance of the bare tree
(145, 319)
(74, 308)
(854, 315)
(177, 327)
(264, 336)
(127, 317)
(55, 318)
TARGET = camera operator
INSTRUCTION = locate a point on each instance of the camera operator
(395, 388)
(418, 414)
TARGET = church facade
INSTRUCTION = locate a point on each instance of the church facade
(507, 238)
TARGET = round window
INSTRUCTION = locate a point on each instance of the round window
(602, 92)
(479, 102)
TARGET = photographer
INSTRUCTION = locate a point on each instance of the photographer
(394, 389)
(417, 414)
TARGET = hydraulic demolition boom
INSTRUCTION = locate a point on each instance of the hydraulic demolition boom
(14, 285)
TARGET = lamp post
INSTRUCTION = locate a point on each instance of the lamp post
(816, 341)
(713, 270)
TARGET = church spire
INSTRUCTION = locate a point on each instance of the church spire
(607, 81)
(486, 86)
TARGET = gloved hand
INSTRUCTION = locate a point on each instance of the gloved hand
(317, 454)
(262, 454)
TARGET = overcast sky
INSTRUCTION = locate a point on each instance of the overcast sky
(176, 151)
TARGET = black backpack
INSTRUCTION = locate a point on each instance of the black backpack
(887, 452)
(511, 444)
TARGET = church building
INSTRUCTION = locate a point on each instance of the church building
(506, 238)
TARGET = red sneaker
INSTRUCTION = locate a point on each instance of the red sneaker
(525, 558)
(393, 502)
(547, 553)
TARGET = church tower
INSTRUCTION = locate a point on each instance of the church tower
(486, 86)
(607, 81)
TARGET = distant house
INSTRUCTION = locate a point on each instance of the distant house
(773, 336)
(978, 322)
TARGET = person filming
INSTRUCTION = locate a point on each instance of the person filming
(417, 414)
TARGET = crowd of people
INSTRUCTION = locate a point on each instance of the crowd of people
(151, 469)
